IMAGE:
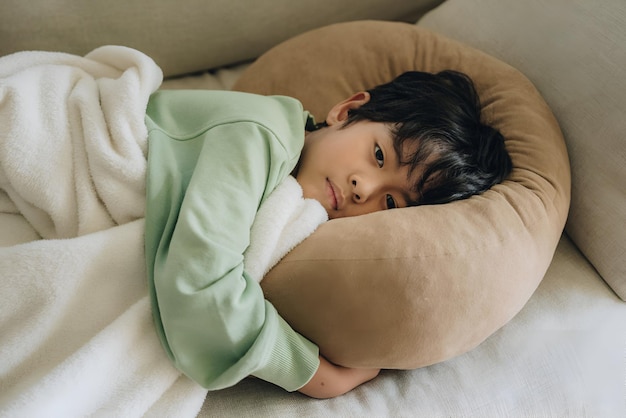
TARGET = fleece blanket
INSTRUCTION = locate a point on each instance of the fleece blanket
(76, 331)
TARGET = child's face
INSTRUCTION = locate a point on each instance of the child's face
(353, 170)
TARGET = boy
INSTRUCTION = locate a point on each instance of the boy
(215, 156)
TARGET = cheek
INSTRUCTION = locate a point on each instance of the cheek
(312, 189)
(305, 184)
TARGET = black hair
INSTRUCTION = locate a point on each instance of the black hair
(440, 113)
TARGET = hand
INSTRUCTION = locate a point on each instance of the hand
(331, 380)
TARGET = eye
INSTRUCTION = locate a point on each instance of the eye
(380, 158)
(391, 203)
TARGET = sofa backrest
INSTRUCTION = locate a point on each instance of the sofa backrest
(186, 35)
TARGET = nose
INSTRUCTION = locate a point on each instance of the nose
(357, 197)
(361, 189)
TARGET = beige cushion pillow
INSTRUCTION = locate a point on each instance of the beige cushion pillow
(411, 287)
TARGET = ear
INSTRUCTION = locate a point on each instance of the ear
(339, 112)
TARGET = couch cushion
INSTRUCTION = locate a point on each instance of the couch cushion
(410, 287)
(182, 36)
(573, 51)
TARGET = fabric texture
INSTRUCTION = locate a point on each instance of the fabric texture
(63, 114)
(578, 72)
(284, 220)
(411, 287)
(204, 36)
(214, 157)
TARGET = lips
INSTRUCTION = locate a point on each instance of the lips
(334, 195)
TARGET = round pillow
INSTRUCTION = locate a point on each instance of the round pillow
(410, 287)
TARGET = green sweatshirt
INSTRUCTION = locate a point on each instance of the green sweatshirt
(213, 158)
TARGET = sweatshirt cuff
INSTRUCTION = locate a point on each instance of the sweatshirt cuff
(293, 360)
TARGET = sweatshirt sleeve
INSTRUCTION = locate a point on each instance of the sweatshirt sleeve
(204, 188)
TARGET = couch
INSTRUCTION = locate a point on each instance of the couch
(564, 353)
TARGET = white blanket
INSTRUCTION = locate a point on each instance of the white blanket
(76, 332)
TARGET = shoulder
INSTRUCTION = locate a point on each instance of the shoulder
(183, 112)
